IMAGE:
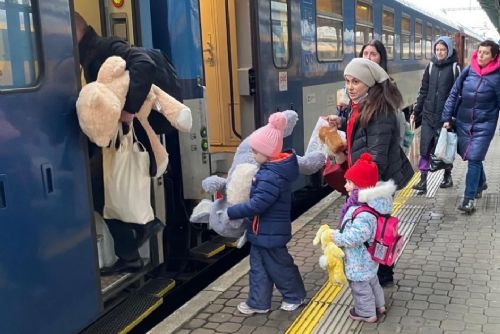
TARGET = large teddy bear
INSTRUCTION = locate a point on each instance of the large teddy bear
(236, 188)
(101, 102)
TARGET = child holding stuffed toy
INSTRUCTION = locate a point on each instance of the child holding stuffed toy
(269, 228)
(355, 231)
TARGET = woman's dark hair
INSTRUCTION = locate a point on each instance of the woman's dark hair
(442, 43)
(379, 46)
(383, 97)
(493, 47)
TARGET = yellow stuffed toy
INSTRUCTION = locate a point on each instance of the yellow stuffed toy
(100, 103)
(332, 259)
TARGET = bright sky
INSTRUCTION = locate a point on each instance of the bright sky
(465, 12)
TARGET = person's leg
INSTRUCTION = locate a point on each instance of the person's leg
(364, 301)
(285, 275)
(472, 178)
(124, 239)
(260, 283)
(378, 293)
(386, 275)
(482, 183)
(447, 180)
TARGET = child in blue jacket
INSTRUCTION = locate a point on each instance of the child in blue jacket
(361, 271)
(269, 229)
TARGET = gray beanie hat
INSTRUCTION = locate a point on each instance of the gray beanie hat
(366, 70)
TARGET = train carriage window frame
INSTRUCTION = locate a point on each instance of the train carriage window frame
(363, 25)
(428, 40)
(21, 58)
(418, 39)
(405, 39)
(280, 38)
(334, 17)
(388, 31)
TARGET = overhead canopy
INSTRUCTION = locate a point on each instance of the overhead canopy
(492, 8)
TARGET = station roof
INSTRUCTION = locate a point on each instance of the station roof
(492, 8)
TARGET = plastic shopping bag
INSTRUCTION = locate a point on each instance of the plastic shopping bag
(446, 146)
(127, 185)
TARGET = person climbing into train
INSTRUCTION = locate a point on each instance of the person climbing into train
(371, 125)
(146, 67)
(357, 229)
(475, 103)
(269, 226)
(437, 81)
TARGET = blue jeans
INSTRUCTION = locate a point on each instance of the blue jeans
(474, 179)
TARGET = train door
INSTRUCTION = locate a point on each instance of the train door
(277, 49)
(218, 29)
(115, 18)
(48, 262)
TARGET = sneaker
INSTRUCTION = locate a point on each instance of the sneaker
(290, 307)
(381, 310)
(245, 309)
(354, 316)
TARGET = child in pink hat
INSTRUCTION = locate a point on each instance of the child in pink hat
(269, 227)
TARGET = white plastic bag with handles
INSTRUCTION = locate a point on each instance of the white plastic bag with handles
(127, 185)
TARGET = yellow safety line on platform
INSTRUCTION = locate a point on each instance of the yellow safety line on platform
(314, 311)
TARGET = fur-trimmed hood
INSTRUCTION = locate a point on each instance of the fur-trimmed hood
(379, 197)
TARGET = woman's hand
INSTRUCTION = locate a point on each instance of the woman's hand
(446, 125)
(334, 121)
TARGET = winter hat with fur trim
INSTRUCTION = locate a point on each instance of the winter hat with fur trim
(268, 140)
(364, 172)
(366, 70)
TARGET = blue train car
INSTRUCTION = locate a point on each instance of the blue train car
(237, 61)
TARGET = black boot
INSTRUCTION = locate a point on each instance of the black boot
(447, 180)
(467, 205)
(481, 189)
(421, 186)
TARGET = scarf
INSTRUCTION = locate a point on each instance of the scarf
(351, 200)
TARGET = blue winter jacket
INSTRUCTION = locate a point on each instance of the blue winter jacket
(477, 109)
(358, 263)
(270, 201)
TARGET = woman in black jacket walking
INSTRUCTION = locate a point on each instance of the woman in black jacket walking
(437, 82)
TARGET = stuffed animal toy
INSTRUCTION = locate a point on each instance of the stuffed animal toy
(100, 103)
(332, 259)
(336, 146)
(236, 188)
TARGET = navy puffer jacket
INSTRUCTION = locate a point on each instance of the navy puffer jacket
(478, 107)
(270, 200)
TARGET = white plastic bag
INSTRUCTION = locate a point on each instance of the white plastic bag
(446, 146)
(127, 189)
(314, 143)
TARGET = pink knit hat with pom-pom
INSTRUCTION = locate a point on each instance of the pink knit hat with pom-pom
(268, 140)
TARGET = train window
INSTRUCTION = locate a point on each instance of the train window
(437, 32)
(388, 32)
(418, 40)
(329, 30)
(364, 25)
(405, 37)
(428, 41)
(19, 54)
(279, 25)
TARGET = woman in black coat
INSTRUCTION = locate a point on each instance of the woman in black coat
(372, 126)
(437, 82)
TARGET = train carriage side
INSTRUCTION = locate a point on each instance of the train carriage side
(48, 240)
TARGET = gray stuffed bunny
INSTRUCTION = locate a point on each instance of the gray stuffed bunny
(236, 188)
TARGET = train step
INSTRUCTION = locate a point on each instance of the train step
(229, 242)
(208, 249)
(123, 318)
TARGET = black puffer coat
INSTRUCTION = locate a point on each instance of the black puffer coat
(432, 96)
(381, 139)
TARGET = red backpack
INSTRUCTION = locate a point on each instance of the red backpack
(388, 243)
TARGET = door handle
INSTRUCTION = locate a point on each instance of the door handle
(48, 178)
(3, 186)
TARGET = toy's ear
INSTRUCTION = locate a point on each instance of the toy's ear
(114, 75)
(98, 113)
(178, 114)
(201, 212)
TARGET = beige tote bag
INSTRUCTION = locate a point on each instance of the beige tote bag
(127, 194)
